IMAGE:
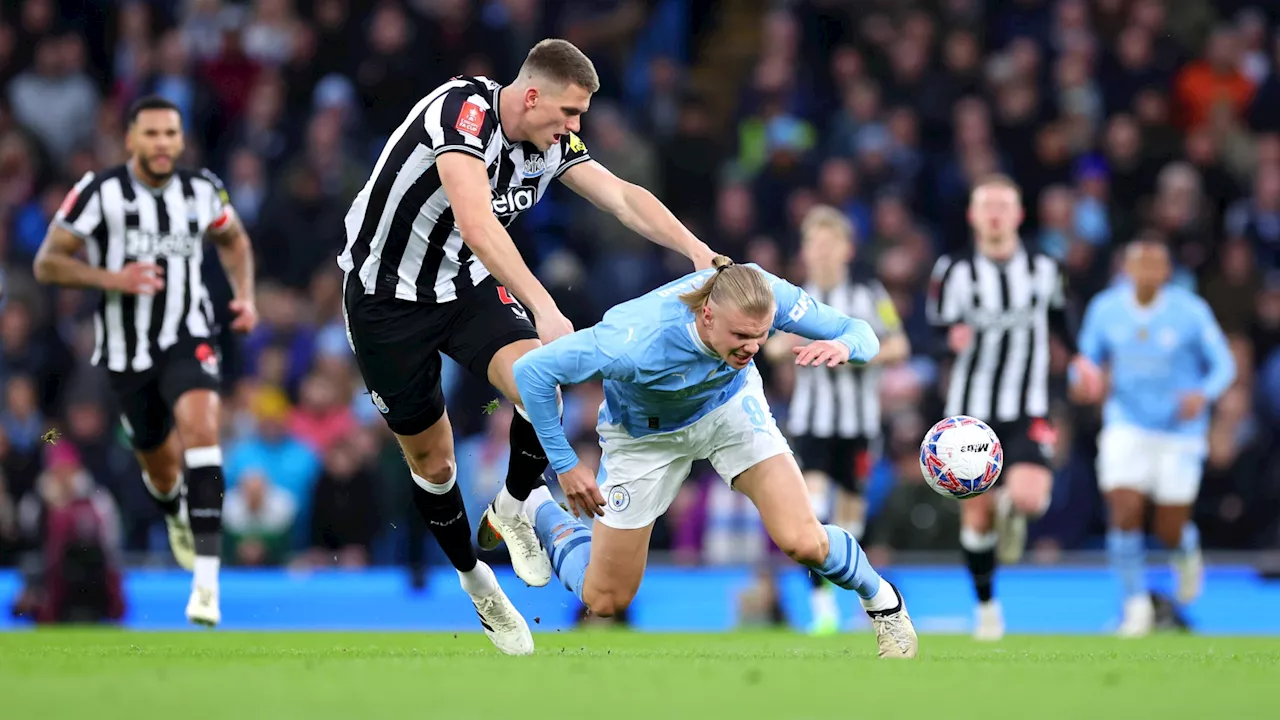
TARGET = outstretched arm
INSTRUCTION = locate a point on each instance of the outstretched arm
(575, 358)
(800, 314)
(636, 208)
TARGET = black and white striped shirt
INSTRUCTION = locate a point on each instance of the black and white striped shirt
(1012, 308)
(844, 401)
(123, 220)
(402, 240)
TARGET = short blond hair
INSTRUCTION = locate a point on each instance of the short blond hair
(737, 285)
(997, 180)
(561, 61)
(825, 217)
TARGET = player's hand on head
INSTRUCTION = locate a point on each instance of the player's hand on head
(246, 312)
(582, 492)
(822, 352)
(702, 258)
(552, 325)
(139, 278)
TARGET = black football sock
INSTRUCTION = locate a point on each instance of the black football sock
(443, 511)
(980, 558)
(528, 460)
(205, 490)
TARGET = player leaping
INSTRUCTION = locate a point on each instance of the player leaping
(1168, 360)
(426, 250)
(681, 385)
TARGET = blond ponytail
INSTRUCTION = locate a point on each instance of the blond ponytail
(735, 285)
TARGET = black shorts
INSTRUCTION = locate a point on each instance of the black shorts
(147, 398)
(846, 461)
(398, 344)
(1029, 440)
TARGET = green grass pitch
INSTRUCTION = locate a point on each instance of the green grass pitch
(99, 674)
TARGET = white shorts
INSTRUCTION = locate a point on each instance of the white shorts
(640, 477)
(1164, 467)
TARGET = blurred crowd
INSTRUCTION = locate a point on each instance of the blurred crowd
(1116, 117)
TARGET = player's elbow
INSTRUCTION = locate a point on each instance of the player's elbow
(42, 267)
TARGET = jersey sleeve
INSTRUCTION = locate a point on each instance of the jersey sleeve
(576, 358)
(1093, 341)
(1216, 351)
(461, 120)
(573, 152)
(798, 313)
(81, 211)
(220, 210)
(942, 307)
(885, 320)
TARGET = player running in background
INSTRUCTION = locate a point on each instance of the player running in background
(681, 385)
(1167, 361)
(834, 420)
(142, 227)
(429, 268)
(998, 304)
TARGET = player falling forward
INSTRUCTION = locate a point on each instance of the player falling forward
(426, 250)
(143, 226)
(681, 385)
(1168, 361)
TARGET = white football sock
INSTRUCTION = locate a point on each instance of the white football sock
(537, 497)
(206, 572)
(479, 580)
(884, 599)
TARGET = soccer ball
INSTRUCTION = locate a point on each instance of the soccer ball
(961, 457)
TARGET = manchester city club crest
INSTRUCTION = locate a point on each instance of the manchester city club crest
(619, 499)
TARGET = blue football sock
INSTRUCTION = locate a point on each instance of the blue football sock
(847, 566)
(1127, 554)
(1190, 538)
(570, 551)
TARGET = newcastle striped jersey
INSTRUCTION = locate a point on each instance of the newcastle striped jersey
(401, 237)
(123, 220)
(844, 401)
(1012, 308)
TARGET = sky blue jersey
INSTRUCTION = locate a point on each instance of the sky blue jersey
(658, 374)
(1156, 355)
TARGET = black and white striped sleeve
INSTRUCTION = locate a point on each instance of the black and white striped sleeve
(942, 307)
(573, 151)
(221, 213)
(81, 211)
(460, 120)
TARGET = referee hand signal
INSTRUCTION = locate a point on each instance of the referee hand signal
(138, 278)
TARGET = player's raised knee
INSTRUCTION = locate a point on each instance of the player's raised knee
(1031, 502)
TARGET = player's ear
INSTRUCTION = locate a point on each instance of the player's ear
(531, 97)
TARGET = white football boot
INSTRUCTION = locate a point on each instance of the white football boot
(202, 608)
(503, 624)
(528, 558)
(181, 540)
(895, 633)
(1139, 617)
(988, 624)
